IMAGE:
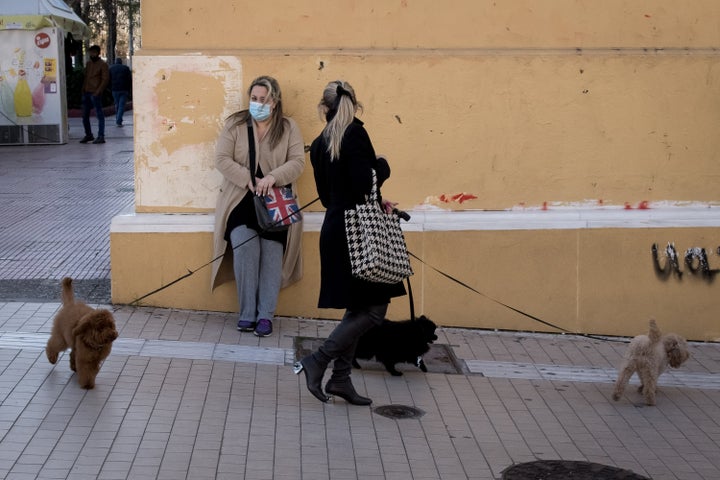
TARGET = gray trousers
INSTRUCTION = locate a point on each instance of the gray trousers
(257, 263)
(340, 345)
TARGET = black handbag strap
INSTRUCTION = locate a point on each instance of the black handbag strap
(251, 147)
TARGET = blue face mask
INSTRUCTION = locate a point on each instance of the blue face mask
(259, 111)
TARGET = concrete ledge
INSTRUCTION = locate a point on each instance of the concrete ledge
(429, 221)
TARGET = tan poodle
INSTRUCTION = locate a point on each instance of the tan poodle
(649, 355)
(88, 332)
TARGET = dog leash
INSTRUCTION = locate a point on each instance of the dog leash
(419, 362)
(532, 317)
(410, 297)
(191, 272)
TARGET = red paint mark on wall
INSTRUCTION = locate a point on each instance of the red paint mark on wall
(457, 197)
(644, 205)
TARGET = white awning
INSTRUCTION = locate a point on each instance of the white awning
(35, 14)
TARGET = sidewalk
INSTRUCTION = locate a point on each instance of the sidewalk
(184, 395)
(58, 201)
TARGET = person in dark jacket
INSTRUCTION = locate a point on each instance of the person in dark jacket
(97, 77)
(120, 84)
(342, 158)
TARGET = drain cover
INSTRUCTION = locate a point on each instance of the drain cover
(399, 411)
(563, 469)
(440, 358)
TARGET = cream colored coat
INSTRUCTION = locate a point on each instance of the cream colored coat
(285, 162)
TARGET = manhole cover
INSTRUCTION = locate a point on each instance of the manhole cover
(563, 469)
(399, 411)
(440, 358)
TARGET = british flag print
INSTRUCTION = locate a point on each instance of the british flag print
(282, 206)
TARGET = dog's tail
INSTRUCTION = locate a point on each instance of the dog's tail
(68, 297)
(654, 332)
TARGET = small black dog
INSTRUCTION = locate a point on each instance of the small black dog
(395, 342)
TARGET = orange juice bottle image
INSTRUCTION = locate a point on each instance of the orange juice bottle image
(23, 96)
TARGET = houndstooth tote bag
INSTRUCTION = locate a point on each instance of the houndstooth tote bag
(375, 241)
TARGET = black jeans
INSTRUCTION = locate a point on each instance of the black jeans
(340, 345)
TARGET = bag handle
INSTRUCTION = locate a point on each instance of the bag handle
(251, 146)
(374, 190)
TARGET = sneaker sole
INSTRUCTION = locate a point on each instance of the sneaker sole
(262, 334)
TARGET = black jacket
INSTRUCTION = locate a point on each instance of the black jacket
(341, 184)
(120, 78)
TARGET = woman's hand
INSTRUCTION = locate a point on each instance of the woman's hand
(264, 185)
(388, 206)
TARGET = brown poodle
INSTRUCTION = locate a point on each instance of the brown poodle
(88, 332)
(649, 355)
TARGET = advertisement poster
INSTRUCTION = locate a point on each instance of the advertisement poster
(29, 77)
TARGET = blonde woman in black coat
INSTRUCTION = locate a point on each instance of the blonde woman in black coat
(342, 157)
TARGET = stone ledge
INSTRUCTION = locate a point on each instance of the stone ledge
(552, 219)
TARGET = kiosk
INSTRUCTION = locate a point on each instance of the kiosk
(33, 97)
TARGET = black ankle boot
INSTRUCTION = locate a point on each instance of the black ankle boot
(313, 376)
(345, 390)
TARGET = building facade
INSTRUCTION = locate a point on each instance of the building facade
(560, 157)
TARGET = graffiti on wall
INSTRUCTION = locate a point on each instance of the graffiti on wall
(695, 260)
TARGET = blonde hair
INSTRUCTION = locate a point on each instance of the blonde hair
(339, 100)
(277, 125)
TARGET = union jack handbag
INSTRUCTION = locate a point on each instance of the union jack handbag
(282, 209)
(375, 242)
(279, 209)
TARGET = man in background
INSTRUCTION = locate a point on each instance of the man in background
(120, 84)
(97, 77)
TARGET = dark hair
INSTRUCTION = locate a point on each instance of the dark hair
(95, 48)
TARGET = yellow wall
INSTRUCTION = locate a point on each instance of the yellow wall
(526, 105)
(428, 24)
(512, 130)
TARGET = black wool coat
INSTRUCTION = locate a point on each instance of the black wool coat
(341, 184)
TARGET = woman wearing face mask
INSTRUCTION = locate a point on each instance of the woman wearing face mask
(261, 262)
(343, 159)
